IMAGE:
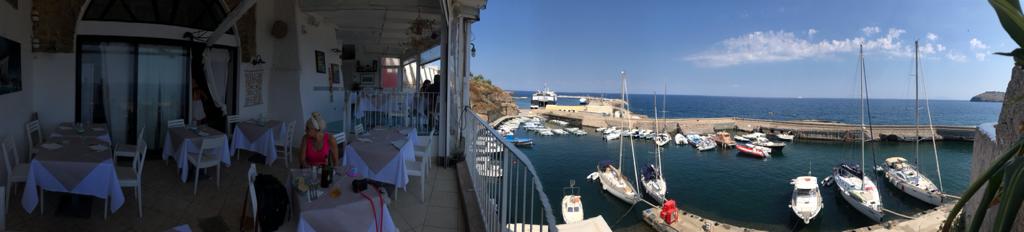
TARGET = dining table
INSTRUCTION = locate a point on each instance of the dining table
(76, 130)
(183, 141)
(78, 161)
(337, 207)
(259, 136)
(380, 154)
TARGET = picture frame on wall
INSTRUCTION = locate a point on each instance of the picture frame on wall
(335, 74)
(321, 65)
(10, 66)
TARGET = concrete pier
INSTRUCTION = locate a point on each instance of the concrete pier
(802, 129)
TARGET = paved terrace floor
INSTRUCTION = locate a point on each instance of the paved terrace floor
(167, 202)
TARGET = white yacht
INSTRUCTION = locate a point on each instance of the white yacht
(612, 179)
(906, 176)
(855, 187)
(572, 205)
(806, 201)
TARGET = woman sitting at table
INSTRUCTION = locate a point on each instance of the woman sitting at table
(317, 144)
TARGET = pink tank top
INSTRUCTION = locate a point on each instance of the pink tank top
(317, 157)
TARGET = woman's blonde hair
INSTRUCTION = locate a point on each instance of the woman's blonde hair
(316, 122)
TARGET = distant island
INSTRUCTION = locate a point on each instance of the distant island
(990, 96)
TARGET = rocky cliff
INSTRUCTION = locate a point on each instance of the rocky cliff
(990, 96)
(489, 101)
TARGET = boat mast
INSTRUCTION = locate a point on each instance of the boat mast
(917, 113)
(622, 75)
(657, 149)
(931, 128)
(632, 147)
(860, 69)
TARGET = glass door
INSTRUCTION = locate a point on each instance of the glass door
(161, 86)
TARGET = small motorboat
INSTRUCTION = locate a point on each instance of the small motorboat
(661, 139)
(785, 136)
(519, 142)
(806, 201)
(740, 138)
(764, 142)
(560, 131)
(754, 135)
(754, 150)
(572, 206)
(694, 139)
(612, 136)
(600, 129)
(680, 139)
(706, 143)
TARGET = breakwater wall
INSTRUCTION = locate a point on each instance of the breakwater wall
(802, 129)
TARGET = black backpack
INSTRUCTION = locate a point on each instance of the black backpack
(272, 202)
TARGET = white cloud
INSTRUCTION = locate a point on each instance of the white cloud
(811, 32)
(977, 44)
(932, 36)
(870, 30)
(779, 46)
(980, 56)
(956, 57)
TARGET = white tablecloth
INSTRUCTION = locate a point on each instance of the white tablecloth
(179, 142)
(381, 160)
(67, 130)
(74, 168)
(259, 138)
(349, 212)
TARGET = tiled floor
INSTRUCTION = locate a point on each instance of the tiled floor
(167, 202)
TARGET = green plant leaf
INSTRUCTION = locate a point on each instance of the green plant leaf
(1010, 17)
(990, 192)
(1013, 195)
(976, 184)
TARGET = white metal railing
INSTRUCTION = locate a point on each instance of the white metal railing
(507, 188)
(375, 108)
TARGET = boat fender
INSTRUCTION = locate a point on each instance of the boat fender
(668, 211)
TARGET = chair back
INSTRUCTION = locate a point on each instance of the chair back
(252, 192)
(33, 133)
(358, 129)
(176, 123)
(6, 147)
(339, 138)
(210, 144)
(232, 120)
(142, 132)
(139, 161)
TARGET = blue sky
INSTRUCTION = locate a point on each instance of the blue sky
(742, 48)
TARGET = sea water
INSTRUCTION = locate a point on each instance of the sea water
(736, 189)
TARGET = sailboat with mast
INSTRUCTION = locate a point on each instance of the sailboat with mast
(857, 188)
(654, 182)
(610, 176)
(904, 175)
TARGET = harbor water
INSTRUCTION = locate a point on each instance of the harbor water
(732, 188)
(883, 111)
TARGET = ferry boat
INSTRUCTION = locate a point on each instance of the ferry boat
(806, 201)
(543, 98)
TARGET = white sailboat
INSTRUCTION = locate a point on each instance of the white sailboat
(902, 174)
(856, 187)
(611, 177)
(572, 205)
(806, 201)
(654, 182)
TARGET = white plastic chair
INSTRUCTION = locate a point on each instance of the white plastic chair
(286, 144)
(177, 123)
(129, 150)
(419, 166)
(35, 137)
(253, 204)
(230, 125)
(131, 177)
(17, 172)
(206, 159)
